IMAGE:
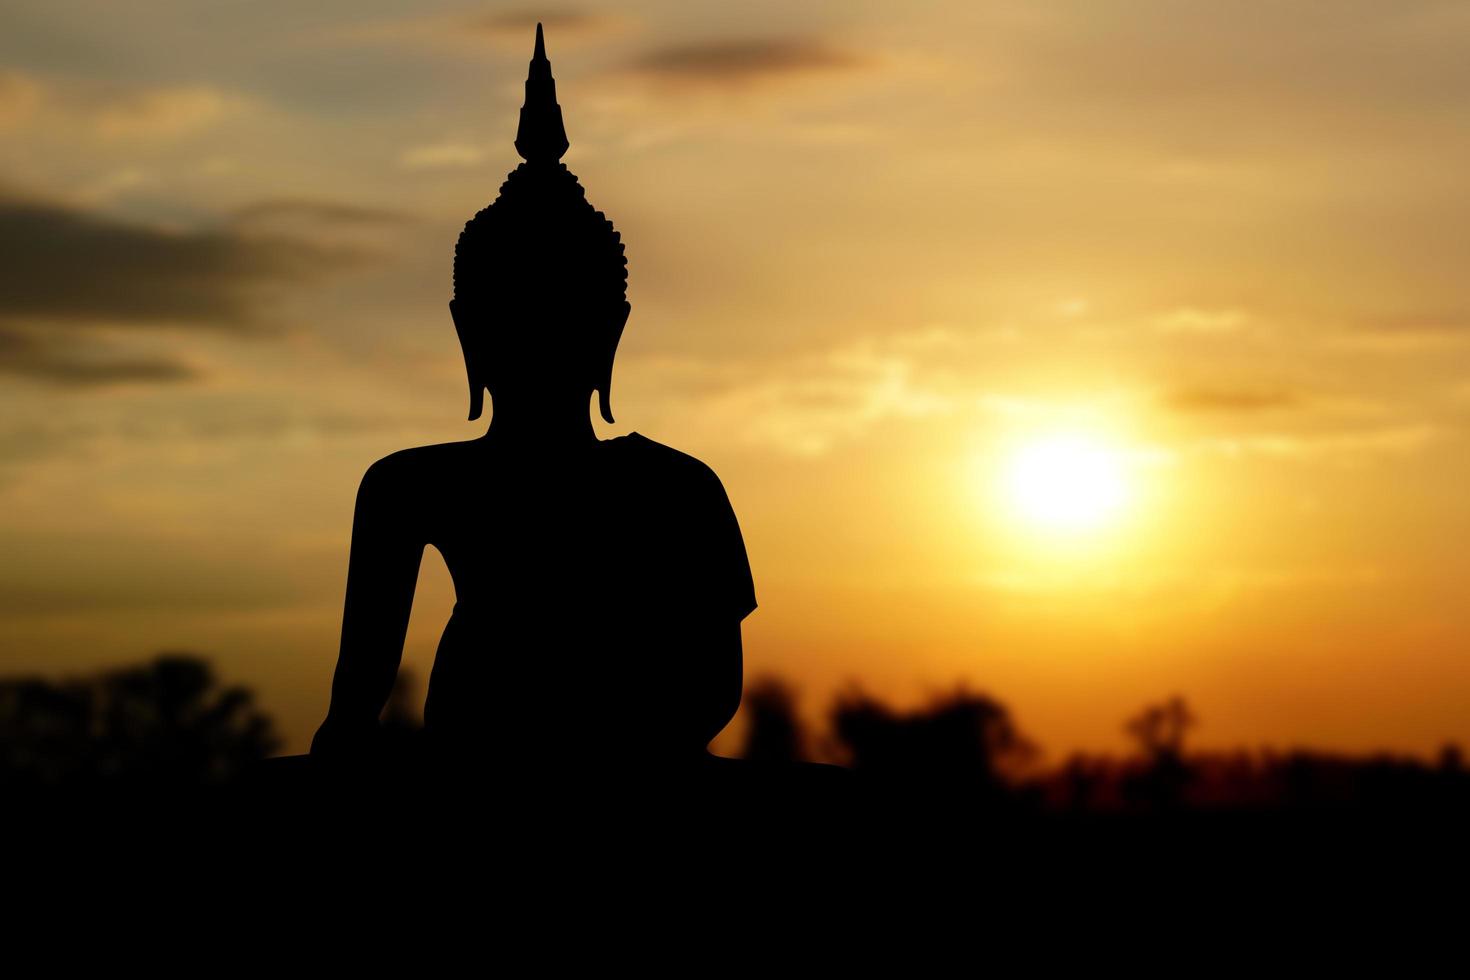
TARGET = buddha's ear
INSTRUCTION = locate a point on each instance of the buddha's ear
(604, 382)
(471, 359)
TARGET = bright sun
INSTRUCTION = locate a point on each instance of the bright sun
(1066, 482)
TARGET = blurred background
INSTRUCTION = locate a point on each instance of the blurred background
(1087, 354)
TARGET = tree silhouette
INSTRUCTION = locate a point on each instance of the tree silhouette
(775, 733)
(1160, 730)
(965, 742)
(165, 723)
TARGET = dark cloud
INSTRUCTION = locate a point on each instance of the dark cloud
(63, 264)
(67, 371)
(28, 355)
(740, 62)
(522, 23)
(1222, 400)
(467, 33)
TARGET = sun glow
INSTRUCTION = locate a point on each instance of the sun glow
(1066, 483)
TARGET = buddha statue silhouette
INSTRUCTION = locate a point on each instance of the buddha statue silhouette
(600, 584)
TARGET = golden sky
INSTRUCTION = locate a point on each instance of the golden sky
(878, 253)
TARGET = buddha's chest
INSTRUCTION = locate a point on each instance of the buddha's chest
(576, 550)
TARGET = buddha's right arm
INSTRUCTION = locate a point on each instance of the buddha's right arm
(382, 571)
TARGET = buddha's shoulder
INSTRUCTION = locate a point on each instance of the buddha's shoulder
(638, 451)
(642, 459)
(410, 466)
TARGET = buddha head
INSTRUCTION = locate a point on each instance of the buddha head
(540, 281)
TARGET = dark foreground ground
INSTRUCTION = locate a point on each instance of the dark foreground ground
(150, 792)
(740, 868)
(721, 809)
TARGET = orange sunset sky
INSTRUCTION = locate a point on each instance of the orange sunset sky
(1086, 351)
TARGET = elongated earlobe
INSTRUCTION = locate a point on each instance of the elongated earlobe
(471, 364)
(604, 383)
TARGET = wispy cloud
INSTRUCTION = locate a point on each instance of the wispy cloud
(317, 209)
(163, 112)
(448, 155)
(807, 405)
(1345, 446)
(1408, 332)
(1441, 321)
(298, 211)
(1191, 320)
(115, 113)
(1211, 588)
(1222, 400)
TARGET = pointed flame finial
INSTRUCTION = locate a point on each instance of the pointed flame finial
(541, 136)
